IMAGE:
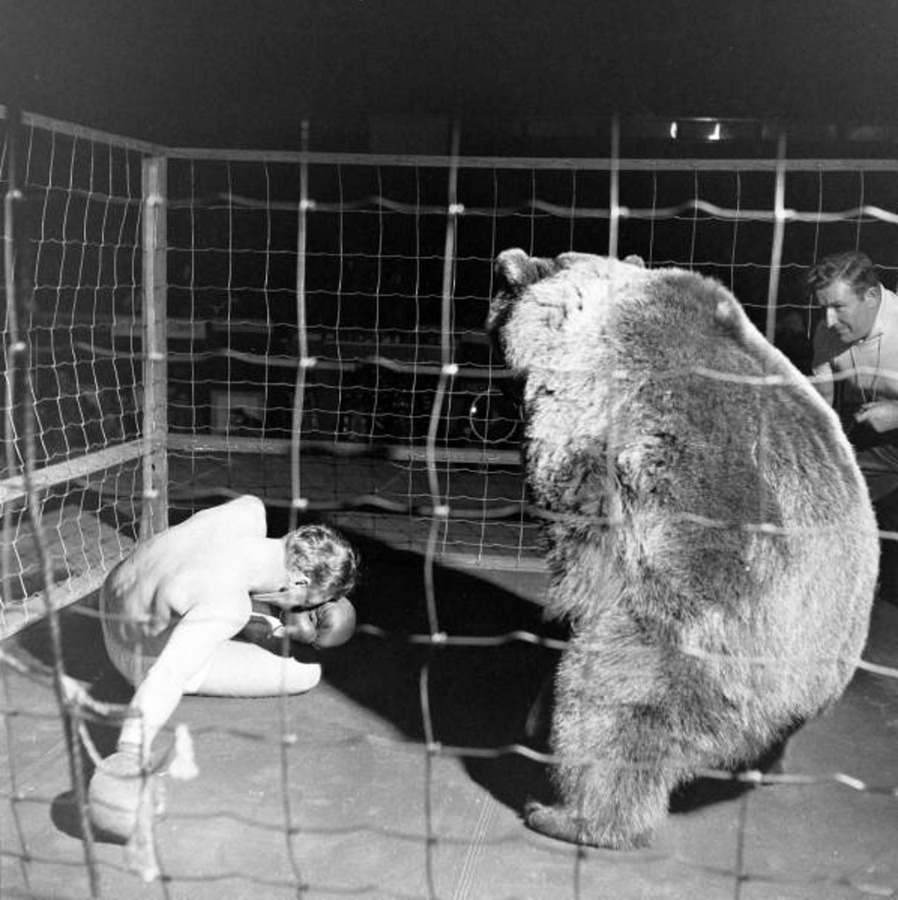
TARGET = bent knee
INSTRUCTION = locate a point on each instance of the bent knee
(302, 677)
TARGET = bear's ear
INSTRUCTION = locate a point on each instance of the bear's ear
(635, 260)
(515, 269)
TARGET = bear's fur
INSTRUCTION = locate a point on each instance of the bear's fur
(708, 533)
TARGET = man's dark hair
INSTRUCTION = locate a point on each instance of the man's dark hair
(853, 267)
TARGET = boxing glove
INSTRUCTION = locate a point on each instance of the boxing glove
(328, 625)
(115, 792)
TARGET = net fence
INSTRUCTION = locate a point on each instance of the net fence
(73, 376)
(373, 233)
(319, 343)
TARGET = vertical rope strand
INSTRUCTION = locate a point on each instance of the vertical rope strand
(614, 210)
(15, 795)
(439, 511)
(19, 306)
(861, 202)
(740, 873)
(299, 386)
(296, 501)
(11, 200)
(735, 241)
(286, 742)
(779, 228)
(9, 441)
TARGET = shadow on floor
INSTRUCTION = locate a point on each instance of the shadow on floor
(478, 697)
(85, 660)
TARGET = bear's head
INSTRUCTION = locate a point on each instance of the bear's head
(542, 304)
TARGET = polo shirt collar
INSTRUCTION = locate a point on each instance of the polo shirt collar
(879, 323)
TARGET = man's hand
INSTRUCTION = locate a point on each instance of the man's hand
(880, 415)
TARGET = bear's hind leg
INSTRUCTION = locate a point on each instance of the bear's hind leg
(606, 805)
(616, 739)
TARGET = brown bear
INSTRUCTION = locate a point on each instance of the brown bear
(708, 534)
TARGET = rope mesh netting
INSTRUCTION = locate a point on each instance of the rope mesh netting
(323, 348)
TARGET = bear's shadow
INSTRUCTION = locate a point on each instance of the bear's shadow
(479, 697)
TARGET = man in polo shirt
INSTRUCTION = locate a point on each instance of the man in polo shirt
(856, 370)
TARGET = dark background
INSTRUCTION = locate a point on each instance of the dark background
(229, 73)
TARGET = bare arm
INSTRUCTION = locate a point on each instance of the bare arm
(192, 643)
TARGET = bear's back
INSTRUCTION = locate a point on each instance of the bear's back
(652, 402)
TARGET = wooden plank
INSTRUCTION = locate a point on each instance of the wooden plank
(598, 164)
(13, 489)
(210, 443)
(84, 133)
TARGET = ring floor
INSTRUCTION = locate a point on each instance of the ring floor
(333, 795)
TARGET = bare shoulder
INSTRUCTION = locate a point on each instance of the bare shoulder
(249, 502)
(199, 558)
(242, 515)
